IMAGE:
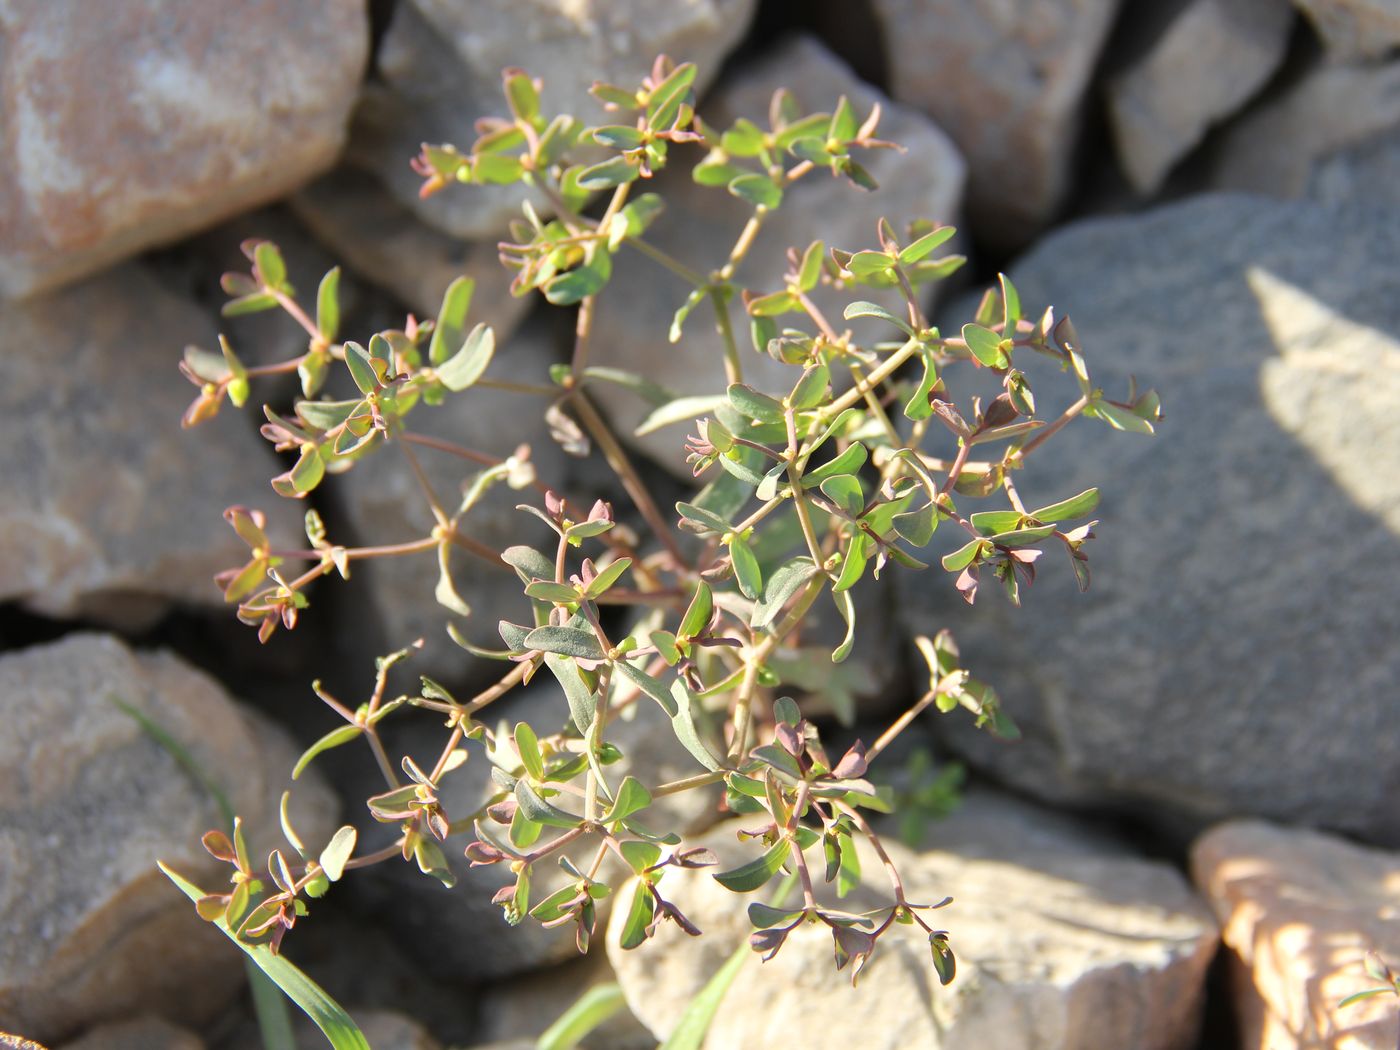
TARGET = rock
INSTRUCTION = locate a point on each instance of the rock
(106, 508)
(459, 930)
(1213, 56)
(700, 226)
(388, 245)
(1275, 146)
(521, 1008)
(1353, 29)
(139, 1033)
(1299, 911)
(89, 802)
(132, 128)
(1365, 173)
(1068, 946)
(440, 64)
(18, 1042)
(1008, 83)
(1229, 584)
(384, 504)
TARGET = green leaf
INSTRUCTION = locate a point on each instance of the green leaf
(870, 264)
(848, 875)
(758, 190)
(989, 522)
(845, 491)
(864, 309)
(640, 855)
(577, 285)
(694, 1024)
(528, 745)
(639, 916)
(681, 410)
(772, 305)
(647, 389)
(746, 571)
(1022, 537)
(711, 521)
(810, 271)
(846, 606)
(1119, 418)
(783, 583)
(609, 173)
(853, 568)
(683, 725)
(965, 555)
(716, 170)
(694, 299)
(943, 960)
(917, 526)
(328, 305)
(335, 738)
(550, 591)
(749, 877)
(522, 97)
(582, 703)
(698, 613)
(618, 136)
(631, 798)
(567, 641)
(764, 917)
(918, 407)
(589, 1011)
(337, 852)
(357, 360)
(271, 267)
(327, 1014)
(541, 812)
(664, 102)
(811, 388)
(249, 304)
(754, 404)
(451, 320)
(648, 684)
(985, 345)
(912, 253)
(848, 462)
(1011, 305)
(468, 364)
(606, 578)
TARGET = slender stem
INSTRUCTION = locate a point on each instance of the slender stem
(1045, 433)
(517, 388)
(895, 881)
(885, 369)
(385, 766)
(298, 314)
(699, 780)
(680, 269)
(744, 243)
(899, 725)
(583, 329)
(631, 481)
(377, 857)
(733, 366)
(439, 514)
(873, 403)
(1011, 493)
(498, 690)
(956, 469)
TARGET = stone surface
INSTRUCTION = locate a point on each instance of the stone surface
(1298, 913)
(1008, 83)
(383, 1030)
(354, 216)
(1233, 653)
(440, 66)
(384, 504)
(89, 802)
(1213, 56)
(700, 226)
(521, 1008)
(147, 120)
(459, 930)
(1275, 146)
(1059, 944)
(1370, 172)
(139, 1033)
(1353, 29)
(106, 508)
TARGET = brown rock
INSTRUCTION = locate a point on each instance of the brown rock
(1299, 911)
(1212, 57)
(139, 1033)
(106, 507)
(145, 119)
(1354, 29)
(354, 216)
(440, 64)
(89, 802)
(1008, 83)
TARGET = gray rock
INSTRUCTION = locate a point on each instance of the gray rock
(440, 64)
(143, 121)
(384, 504)
(89, 802)
(1232, 653)
(1353, 29)
(106, 508)
(1059, 945)
(1299, 913)
(460, 930)
(701, 224)
(1008, 83)
(354, 216)
(1370, 172)
(1275, 146)
(522, 1007)
(1213, 56)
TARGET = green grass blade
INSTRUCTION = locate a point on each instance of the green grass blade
(299, 988)
(689, 1033)
(591, 1009)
